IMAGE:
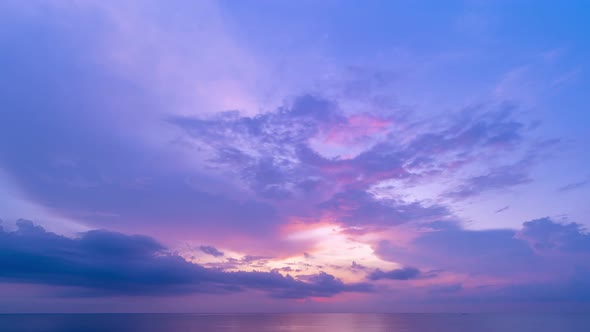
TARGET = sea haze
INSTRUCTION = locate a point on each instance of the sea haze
(295, 322)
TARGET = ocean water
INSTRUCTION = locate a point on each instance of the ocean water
(296, 323)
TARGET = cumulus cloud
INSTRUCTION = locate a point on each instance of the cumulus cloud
(106, 263)
(541, 249)
(546, 235)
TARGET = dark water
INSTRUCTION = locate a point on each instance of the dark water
(297, 322)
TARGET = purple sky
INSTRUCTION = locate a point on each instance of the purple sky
(198, 156)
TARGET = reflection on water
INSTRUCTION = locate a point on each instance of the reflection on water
(296, 323)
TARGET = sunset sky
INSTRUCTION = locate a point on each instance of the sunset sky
(334, 155)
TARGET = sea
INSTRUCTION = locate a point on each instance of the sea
(295, 322)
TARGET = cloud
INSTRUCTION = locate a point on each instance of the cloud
(406, 273)
(106, 263)
(541, 249)
(475, 127)
(503, 209)
(267, 150)
(128, 123)
(546, 235)
(447, 289)
(102, 155)
(216, 170)
(573, 288)
(278, 156)
(355, 207)
(495, 179)
(574, 186)
(277, 151)
(356, 266)
(209, 250)
(543, 261)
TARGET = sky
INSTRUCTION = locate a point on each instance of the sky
(305, 156)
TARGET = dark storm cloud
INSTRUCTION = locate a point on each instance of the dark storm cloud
(106, 263)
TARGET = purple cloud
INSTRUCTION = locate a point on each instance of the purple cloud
(356, 207)
(106, 263)
(495, 179)
(406, 273)
(536, 251)
(210, 250)
(503, 209)
(476, 127)
(574, 186)
(546, 235)
(128, 123)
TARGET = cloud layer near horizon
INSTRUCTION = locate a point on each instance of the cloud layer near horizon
(103, 263)
(497, 265)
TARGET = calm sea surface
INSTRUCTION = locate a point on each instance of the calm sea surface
(297, 322)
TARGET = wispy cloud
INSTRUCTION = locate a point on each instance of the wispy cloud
(503, 209)
(574, 186)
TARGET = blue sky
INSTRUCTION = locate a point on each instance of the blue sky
(306, 156)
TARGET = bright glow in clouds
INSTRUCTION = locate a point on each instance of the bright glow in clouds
(304, 156)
